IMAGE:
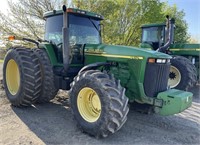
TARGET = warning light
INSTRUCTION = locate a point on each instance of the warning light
(11, 38)
(151, 60)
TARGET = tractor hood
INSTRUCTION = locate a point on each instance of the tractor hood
(123, 51)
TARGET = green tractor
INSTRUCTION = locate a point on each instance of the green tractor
(185, 57)
(101, 78)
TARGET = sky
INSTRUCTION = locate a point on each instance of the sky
(190, 7)
(192, 15)
(4, 5)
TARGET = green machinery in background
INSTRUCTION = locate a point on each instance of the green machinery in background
(184, 69)
(101, 78)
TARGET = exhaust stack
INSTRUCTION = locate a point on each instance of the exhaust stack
(65, 35)
(170, 26)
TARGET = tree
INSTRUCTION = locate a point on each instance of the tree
(121, 26)
(25, 18)
(123, 18)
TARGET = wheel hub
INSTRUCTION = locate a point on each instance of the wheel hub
(174, 77)
(12, 77)
(89, 104)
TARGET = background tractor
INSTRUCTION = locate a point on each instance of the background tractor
(101, 78)
(185, 57)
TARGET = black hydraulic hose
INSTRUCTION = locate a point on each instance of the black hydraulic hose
(95, 26)
(30, 40)
(94, 66)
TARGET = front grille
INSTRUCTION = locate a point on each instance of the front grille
(156, 78)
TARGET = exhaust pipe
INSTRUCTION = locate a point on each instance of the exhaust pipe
(65, 35)
(170, 25)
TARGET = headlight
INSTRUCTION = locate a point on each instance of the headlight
(159, 60)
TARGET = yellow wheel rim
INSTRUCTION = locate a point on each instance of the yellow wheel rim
(12, 77)
(89, 104)
(174, 77)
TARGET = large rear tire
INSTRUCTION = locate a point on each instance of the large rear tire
(49, 90)
(21, 77)
(98, 103)
(183, 74)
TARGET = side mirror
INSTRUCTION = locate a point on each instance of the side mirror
(64, 8)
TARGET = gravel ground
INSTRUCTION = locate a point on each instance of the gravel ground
(52, 123)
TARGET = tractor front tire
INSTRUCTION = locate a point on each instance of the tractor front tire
(98, 103)
(183, 74)
(49, 90)
(21, 76)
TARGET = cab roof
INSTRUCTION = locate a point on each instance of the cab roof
(153, 25)
(75, 11)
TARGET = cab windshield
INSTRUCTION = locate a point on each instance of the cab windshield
(153, 34)
(82, 30)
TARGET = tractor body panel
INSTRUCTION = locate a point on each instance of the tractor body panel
(185, 49)
(131, 67)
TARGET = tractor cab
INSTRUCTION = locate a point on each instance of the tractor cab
(83, 28)
(153, 36)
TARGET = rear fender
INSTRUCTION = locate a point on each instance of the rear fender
(50, 51)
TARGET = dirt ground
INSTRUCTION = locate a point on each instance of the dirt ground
(52, 123)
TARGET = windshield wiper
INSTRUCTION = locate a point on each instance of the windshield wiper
(95, 26)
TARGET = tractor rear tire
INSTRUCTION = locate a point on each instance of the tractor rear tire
(98, 103)
(49, 90)
(183, 74)
(21, 76)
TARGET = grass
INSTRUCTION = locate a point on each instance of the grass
(1, 61)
